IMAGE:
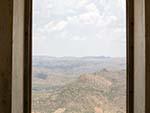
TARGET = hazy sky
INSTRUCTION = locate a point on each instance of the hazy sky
(79, 28)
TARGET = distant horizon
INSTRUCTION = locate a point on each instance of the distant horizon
(76, 56)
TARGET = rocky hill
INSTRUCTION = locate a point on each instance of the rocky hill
(93, 91)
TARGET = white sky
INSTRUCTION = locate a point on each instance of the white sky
(79, 28)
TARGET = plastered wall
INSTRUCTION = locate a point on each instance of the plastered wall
(139, 56)
(11, 55)
(18, 56)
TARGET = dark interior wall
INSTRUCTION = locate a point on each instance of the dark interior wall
(147, 31)
(6, 12)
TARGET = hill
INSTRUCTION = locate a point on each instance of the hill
(79, 85)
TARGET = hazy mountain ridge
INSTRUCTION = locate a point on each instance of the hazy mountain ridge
(78, 65)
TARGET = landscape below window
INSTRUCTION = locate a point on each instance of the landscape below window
(79, 85)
